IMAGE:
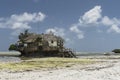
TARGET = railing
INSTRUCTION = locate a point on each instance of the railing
(69, 51)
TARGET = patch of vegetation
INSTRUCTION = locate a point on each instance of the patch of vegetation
(116, 50)
(12, 47)
(44, 63)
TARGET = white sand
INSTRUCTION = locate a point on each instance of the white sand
(109, 70)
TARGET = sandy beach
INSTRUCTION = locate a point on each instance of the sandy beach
(105, 70)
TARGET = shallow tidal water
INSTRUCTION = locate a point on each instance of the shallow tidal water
(9, 59)
(14, 58)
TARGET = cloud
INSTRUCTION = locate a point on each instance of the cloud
(94, 18)
(79, 33)
(17, 23)
(91, 17)
(114, 28)
(59, 32)
(28, 17)
(112, 23)
(107, 21)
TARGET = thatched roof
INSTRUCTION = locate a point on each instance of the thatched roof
(46, 37)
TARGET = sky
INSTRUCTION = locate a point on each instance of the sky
(86, 25)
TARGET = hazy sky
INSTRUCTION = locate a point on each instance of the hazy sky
(86, 25)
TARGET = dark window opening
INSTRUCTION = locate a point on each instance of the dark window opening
(52, 41)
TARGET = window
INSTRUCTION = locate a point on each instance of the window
(52, 41)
